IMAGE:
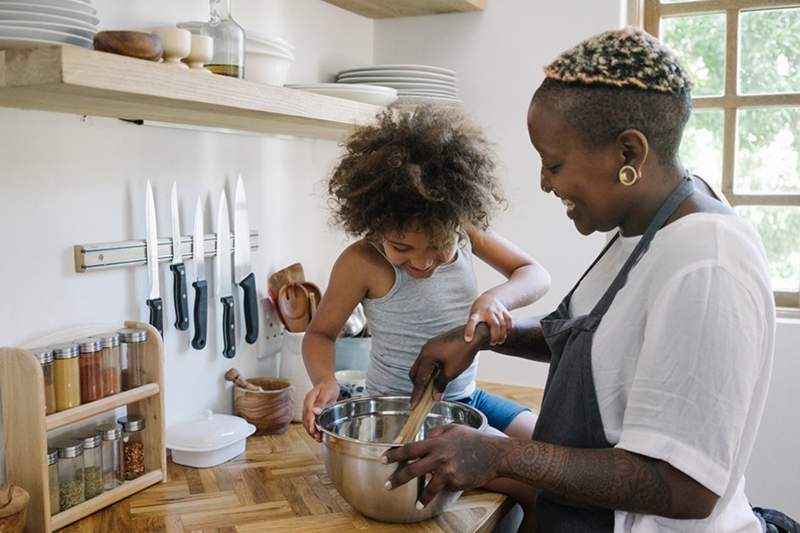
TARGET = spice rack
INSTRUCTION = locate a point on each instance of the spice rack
(26, 426)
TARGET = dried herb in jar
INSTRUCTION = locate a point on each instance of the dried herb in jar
(71, 493)
(93, 481)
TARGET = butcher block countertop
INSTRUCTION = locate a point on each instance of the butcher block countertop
(279, 485)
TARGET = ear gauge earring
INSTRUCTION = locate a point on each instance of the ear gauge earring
(628, 175)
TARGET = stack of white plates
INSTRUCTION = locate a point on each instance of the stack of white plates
(26, 22)
(368, 94)
(414, 83)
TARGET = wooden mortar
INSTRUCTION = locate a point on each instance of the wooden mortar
(13, 511)
(270, 410)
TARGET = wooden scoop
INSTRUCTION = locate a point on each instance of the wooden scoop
(233, 375)
(417, 416)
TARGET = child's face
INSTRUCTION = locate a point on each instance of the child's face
(412, 252)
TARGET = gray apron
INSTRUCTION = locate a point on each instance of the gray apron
(570, 415)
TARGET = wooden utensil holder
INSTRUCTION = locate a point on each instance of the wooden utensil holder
(270, 410)
(26, 427)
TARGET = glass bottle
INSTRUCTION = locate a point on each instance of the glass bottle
(91, 365)
(52, 478)
(133, 446)
(66, 376)
(92, 466)
(45, 357)
(228, 38)
(113, 474)
(132, 341)
(112, 363)
(70, 474)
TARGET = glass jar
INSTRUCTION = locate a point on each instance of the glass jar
(112, 363)
(133, 447)
(92, 466)
(132, 342)
(70, 474)
(113, 474)
(91, 365)
(66, 376)
(228, 58)
(45, 357)
(52, 478)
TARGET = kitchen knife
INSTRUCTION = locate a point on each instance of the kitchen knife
(151, 240)
(178, 268)
(222, 278)
(200, 285)
(243, 275)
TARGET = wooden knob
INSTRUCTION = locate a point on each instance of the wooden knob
(233, 375)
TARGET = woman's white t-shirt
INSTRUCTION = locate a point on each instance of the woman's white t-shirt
(682, 359)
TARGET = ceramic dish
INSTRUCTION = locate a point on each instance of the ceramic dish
(422, 68)
(83, 7)
(400, 74)
(12, 16)
(14, 33)
(51, 10)
(209, 441)
(386, 80)
(52, 26)
(368, 94)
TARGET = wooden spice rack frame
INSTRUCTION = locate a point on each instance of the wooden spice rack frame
(26, 426)
(100, 256)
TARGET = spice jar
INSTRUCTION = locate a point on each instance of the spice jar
(132, 342)
(91, 365)
(113, 475)
(92, 466)
(52, 478)
(133, 447)
(45, 357)
(66, 376)
(112, 363)
(70, 474)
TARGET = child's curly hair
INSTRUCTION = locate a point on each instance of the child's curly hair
(429, 170)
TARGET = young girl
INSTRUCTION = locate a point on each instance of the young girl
(418, 188)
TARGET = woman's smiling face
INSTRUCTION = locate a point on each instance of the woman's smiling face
(582, 176)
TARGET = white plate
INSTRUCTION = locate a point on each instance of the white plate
(53, 26)
(422, 68)
(18, 37)
(419, 100)
(420, 87)
(386, 79)
(51, 10)
(344, 87)
(83, 7)
(10, 18)
(358, 95)
(399, 74)
(425, 93)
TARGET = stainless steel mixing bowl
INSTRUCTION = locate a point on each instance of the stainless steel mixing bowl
(356, 432)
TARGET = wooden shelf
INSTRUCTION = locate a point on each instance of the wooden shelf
(75, 80)
(82, 412)
(379, 9)
(105, 499)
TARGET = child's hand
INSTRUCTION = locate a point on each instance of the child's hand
(316, 400)
(487, 308)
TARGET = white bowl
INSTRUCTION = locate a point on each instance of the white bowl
(263, 48)
(208, 442)
(271, 69)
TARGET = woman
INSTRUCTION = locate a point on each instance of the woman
(660, 356)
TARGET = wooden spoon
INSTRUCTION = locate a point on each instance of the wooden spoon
(234, 376)
(417, 416)
(294, 306)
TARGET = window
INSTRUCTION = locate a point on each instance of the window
(744, 134)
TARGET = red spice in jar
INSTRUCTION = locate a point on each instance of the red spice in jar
(91, 370)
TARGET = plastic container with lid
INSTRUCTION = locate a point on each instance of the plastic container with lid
(209, 441)
(66, 376)
(112, 363)
(133, 342)
(70, 474)
(92, 466)
(52, 478)
(91, 365)
(45, 357)
(113, 474)
(133, 453)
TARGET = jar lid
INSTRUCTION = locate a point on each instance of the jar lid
(108, 340)
(110, 431)
(210, 433)
(89, 345)
(132, 335)
(43, 354)
(92, 441)
(132, 423)
(65, 351)
(70, 448)
(52, 456)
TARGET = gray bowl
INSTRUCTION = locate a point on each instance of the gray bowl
(356, 432)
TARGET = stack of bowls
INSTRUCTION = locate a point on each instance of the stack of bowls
(267, 59)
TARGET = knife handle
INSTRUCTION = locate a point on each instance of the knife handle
(228, 327)
(156, 314)
(200, 314)
(179, 296)
(248, 285)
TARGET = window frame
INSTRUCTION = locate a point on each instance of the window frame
(648, 14)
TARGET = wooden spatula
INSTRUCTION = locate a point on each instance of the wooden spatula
(417, 416)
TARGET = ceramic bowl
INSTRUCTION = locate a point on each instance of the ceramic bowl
(202, 51)
(352, 383)
(270, 68)
(177, 45)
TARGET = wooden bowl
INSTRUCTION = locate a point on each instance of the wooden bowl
(13, 512)
(269, 411)
(139, 44)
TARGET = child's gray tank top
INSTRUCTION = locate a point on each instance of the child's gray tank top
(413, 311)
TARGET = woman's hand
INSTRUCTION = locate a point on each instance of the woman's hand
(317, 399)
(489, 309)
(458, 457)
